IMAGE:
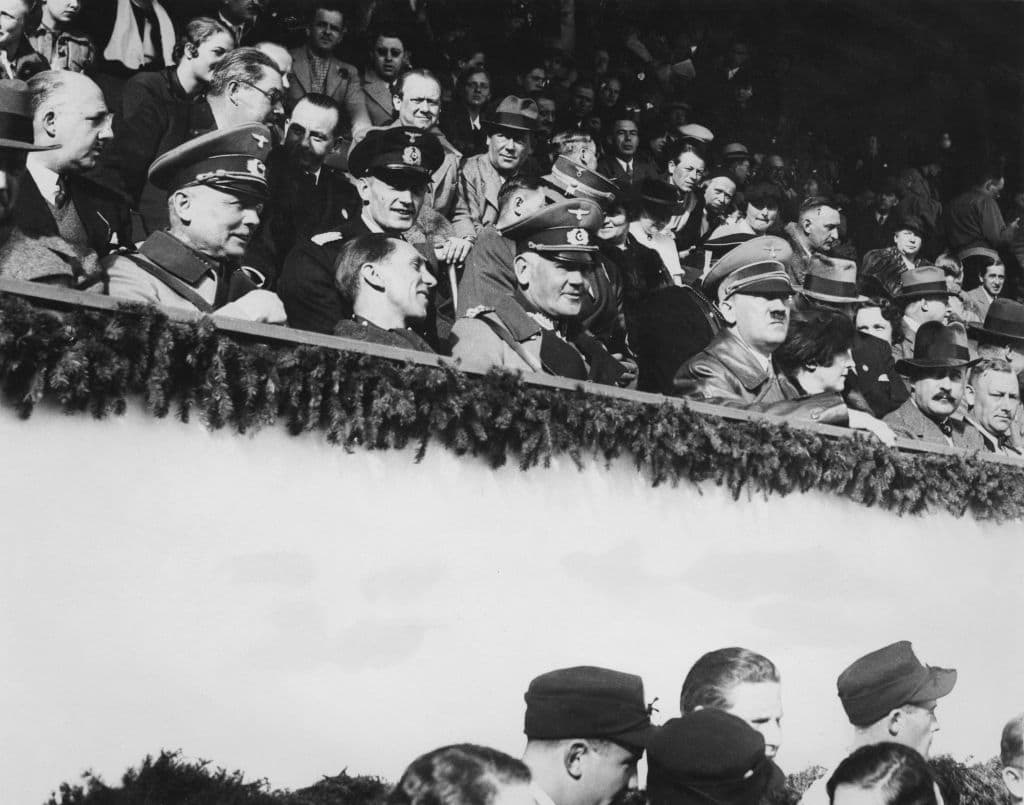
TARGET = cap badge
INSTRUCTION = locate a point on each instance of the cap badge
(412, 156)
(256, 167)
(771, 249)
(580, 213)
(261, 139)
(578, 237)
(579, 173)
(413, 136)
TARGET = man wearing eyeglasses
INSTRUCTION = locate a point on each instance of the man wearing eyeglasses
(389, 56)
(246, 87)
(59, 232)
(392, 168)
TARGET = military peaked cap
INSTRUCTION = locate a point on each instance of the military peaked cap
(565, 231)
(399, 149)
(230, 160)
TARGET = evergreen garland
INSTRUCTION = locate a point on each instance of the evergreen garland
(93, 361)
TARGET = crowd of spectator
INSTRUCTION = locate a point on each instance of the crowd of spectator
(603, 192)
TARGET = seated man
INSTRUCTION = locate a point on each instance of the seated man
(1011, 758)
(993, 399)
(554, 248)
(936, 376)
(388, 284)
(815, 232)
(623, 163)
(924, 297)
(992, 279)
(216, 190)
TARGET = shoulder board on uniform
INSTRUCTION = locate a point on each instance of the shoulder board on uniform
(478, 311)
(326, 237)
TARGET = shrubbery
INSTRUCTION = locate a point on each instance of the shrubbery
(170, 779)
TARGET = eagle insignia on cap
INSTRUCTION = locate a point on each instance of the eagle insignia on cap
(579, 173)
(578, 237)
(771, 249)
(261, 139)
(412, 156)
(256, 167)
(580, 213)
(413, 136)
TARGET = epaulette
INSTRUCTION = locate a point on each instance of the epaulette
(326, 237)
(478, 311)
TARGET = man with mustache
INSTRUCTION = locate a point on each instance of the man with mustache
(217, 186)
(993, 397)
(392, 168)
(936, 376)
(59, 233)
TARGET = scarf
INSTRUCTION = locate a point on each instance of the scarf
(130, 47)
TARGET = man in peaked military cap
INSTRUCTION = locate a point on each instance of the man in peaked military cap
(889, 695)
(392, 168)
(554, 250)
(216, 187)
(586, 728)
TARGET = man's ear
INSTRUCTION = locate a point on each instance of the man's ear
(522, 268)
(182, 204)
(894, 722)
(725, 307)
(805, 225)
(969, 395)
(371, 276)
(232, 91)
(573, 758)
(50, 123)
(363, 188)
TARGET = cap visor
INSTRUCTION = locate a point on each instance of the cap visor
(772, 285)
(23, 146)
(939, 683)
(839, 300)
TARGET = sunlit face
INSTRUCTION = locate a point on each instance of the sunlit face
(937, 392)
(611, 91)
(395, 203)
(920, 723)
(614, 227)
(822, 228)
(387, 57)
(606, 773)
(309, 135)
(995, 398)
(407, 282)
(508, 150)
(260, 102)
(626, 138)
(556, 289)
(688, 172)
(326, 31)
(81, 124)
(761, 321)
(907, 243)
(994, 278)
(63, 11)
(760, 705)
(12, 22)
(420, 102)
(719, 192)
(476, 91)
(871, 322)
(761, 219)
(208, 54)
(217, 224)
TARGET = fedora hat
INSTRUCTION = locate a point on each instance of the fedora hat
(833, 280)
(922, 281)
(657, 193)
(735, 151)
(514, 114)
(938, 346)
(16, 118)
(1004, 321)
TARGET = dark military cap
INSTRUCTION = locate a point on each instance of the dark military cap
(396, 150)
(230, 160)
(588, 702)
(16, 118)
(757, 266)
(879, 682)
(572, 179)
(565, 231)
(707, 756)
(723, 244)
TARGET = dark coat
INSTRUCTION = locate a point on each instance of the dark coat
(359, 329)
(689, 233)
(867, 234)
(458, 129)
(643, 168)
(876, 381)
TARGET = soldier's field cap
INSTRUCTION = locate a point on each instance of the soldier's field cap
(400, 150)
(588, 702)
(879, 682)
(708, 756)
(16, 118)
(570, 179)
(230, 160)
(757, 266)
(565, 231)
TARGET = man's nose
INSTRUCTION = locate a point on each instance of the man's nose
(251, 217)
(426, 277)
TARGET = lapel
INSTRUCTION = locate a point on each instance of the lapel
(334, 78)
(301, 69)
(920, 426)
(491, 181)
(32, 214)
(379, 92)
(100, 230)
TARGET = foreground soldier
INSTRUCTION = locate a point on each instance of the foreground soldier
(586, 728)
(217, 189)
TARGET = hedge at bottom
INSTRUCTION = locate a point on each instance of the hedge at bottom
(95, 360)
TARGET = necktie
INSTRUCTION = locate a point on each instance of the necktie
(629, 170)
(946, 428)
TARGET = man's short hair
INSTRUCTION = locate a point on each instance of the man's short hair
(461, 773)
(988, 365)
(984, 172)
(714, 675)
(342, 7)
(1011, 747)
(582, 83)
(812, 204)
(471, 71)
(45, 85)
(674, 150)
(989, 262)
(814, 337)
(513, 185)
(895, 770)
(398, 85)
(373, 247)
(321, 101)
(247, 65)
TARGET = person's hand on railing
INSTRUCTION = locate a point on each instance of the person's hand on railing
(258, 305)
(628, 378)
(862, 421)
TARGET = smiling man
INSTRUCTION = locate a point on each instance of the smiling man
(217, 187)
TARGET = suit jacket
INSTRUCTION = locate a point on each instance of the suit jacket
(457, 127)
(476, 202)
(643, 168)
(688, 233)
(876, 385)
(867, 234)
(342, 84)
(909, 422)
(979, 300)
(377, 98)
(359, 329)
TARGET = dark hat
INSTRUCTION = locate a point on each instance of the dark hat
(708, 756)
(938, 346)
(657, 193)
(514, 114)
(757, 266)
(879, 682)
(588, 702)
(832, 280)
(676, 103)
(1004, 321)
(911, 223)
(230, 160)
(735, 151)
(398, 150)
(16, 118)
(696, 133)
(723, 244)
(565, 231)
(574, 180)
(922, 281)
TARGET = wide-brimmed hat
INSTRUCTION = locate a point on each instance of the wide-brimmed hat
(514, 114)
(938, 346)
(1004, 321)
(833, 280)
(911, 223)
(735, 151)
(922, 281)
(656, 193)
(879, 682)
(16, 118)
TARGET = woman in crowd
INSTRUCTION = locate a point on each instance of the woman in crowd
(882, 774)
(872, 318)
(761, 216)
(464, 774)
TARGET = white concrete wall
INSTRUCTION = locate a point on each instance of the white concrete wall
(280, 606)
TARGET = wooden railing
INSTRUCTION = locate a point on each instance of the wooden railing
(61, 299)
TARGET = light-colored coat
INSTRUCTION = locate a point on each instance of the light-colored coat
(476, 203)
(343, 85)
(909, 422)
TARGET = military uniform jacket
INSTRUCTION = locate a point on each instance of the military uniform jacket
(359, 329)
(910, 422)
